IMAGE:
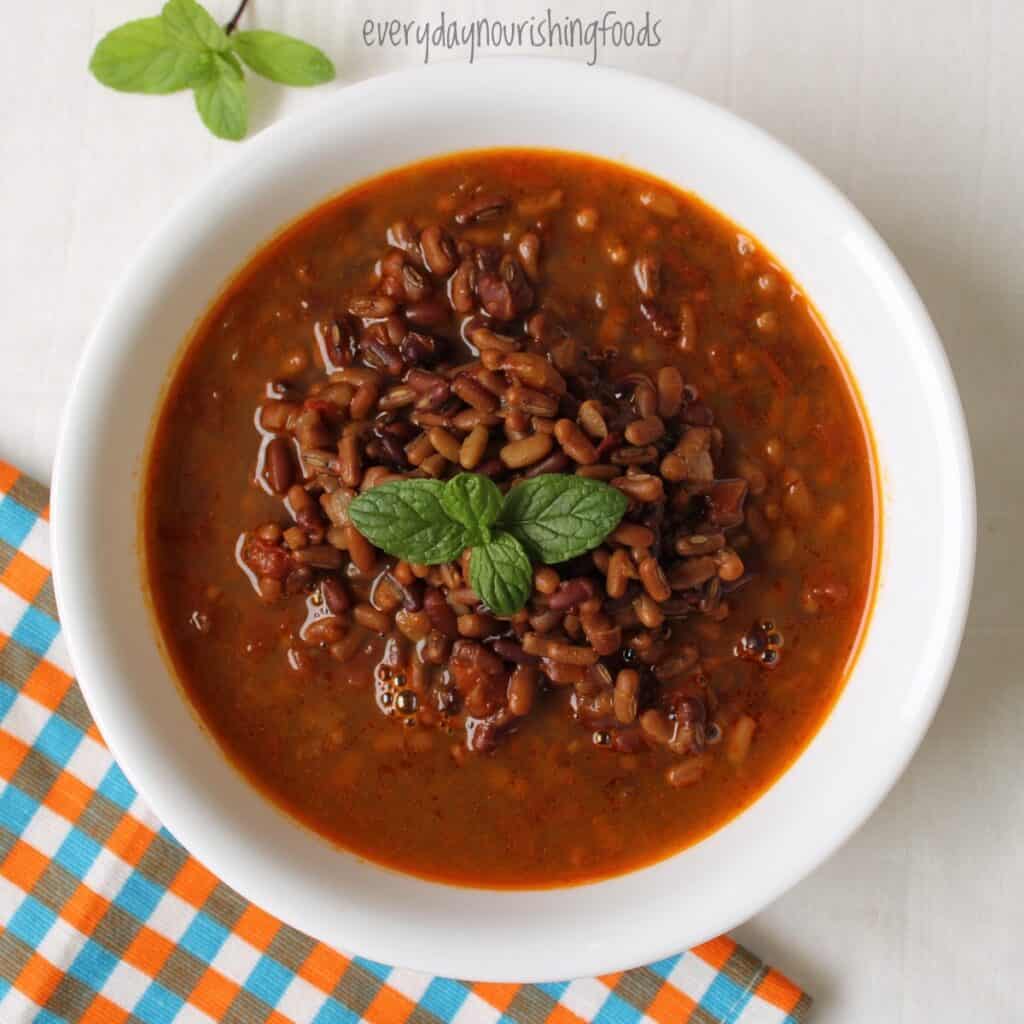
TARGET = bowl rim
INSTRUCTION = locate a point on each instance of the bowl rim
(68, 486)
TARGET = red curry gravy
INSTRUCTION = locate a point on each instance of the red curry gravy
(300, 648)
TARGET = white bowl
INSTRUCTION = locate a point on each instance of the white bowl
(928, 514)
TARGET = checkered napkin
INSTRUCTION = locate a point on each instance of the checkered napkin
(105, 918)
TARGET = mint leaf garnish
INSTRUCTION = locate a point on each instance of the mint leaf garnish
(405, 518)
(549, 519)
(557, 517)
(500, 573)
(475, 501)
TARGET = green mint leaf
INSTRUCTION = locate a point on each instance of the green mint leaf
(282, 58)
(405, 518)
(557, 517)
(221, 99)
(230, 62)
(190, 27)
(139, 57)
(501, 575)
(475, 501)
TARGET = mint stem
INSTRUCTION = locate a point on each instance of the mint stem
(233, 23)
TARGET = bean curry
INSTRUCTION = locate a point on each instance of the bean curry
(513, 313)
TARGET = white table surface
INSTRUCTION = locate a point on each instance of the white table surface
(915, 108)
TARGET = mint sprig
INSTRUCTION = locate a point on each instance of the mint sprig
(548, 519)
(185, 48)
